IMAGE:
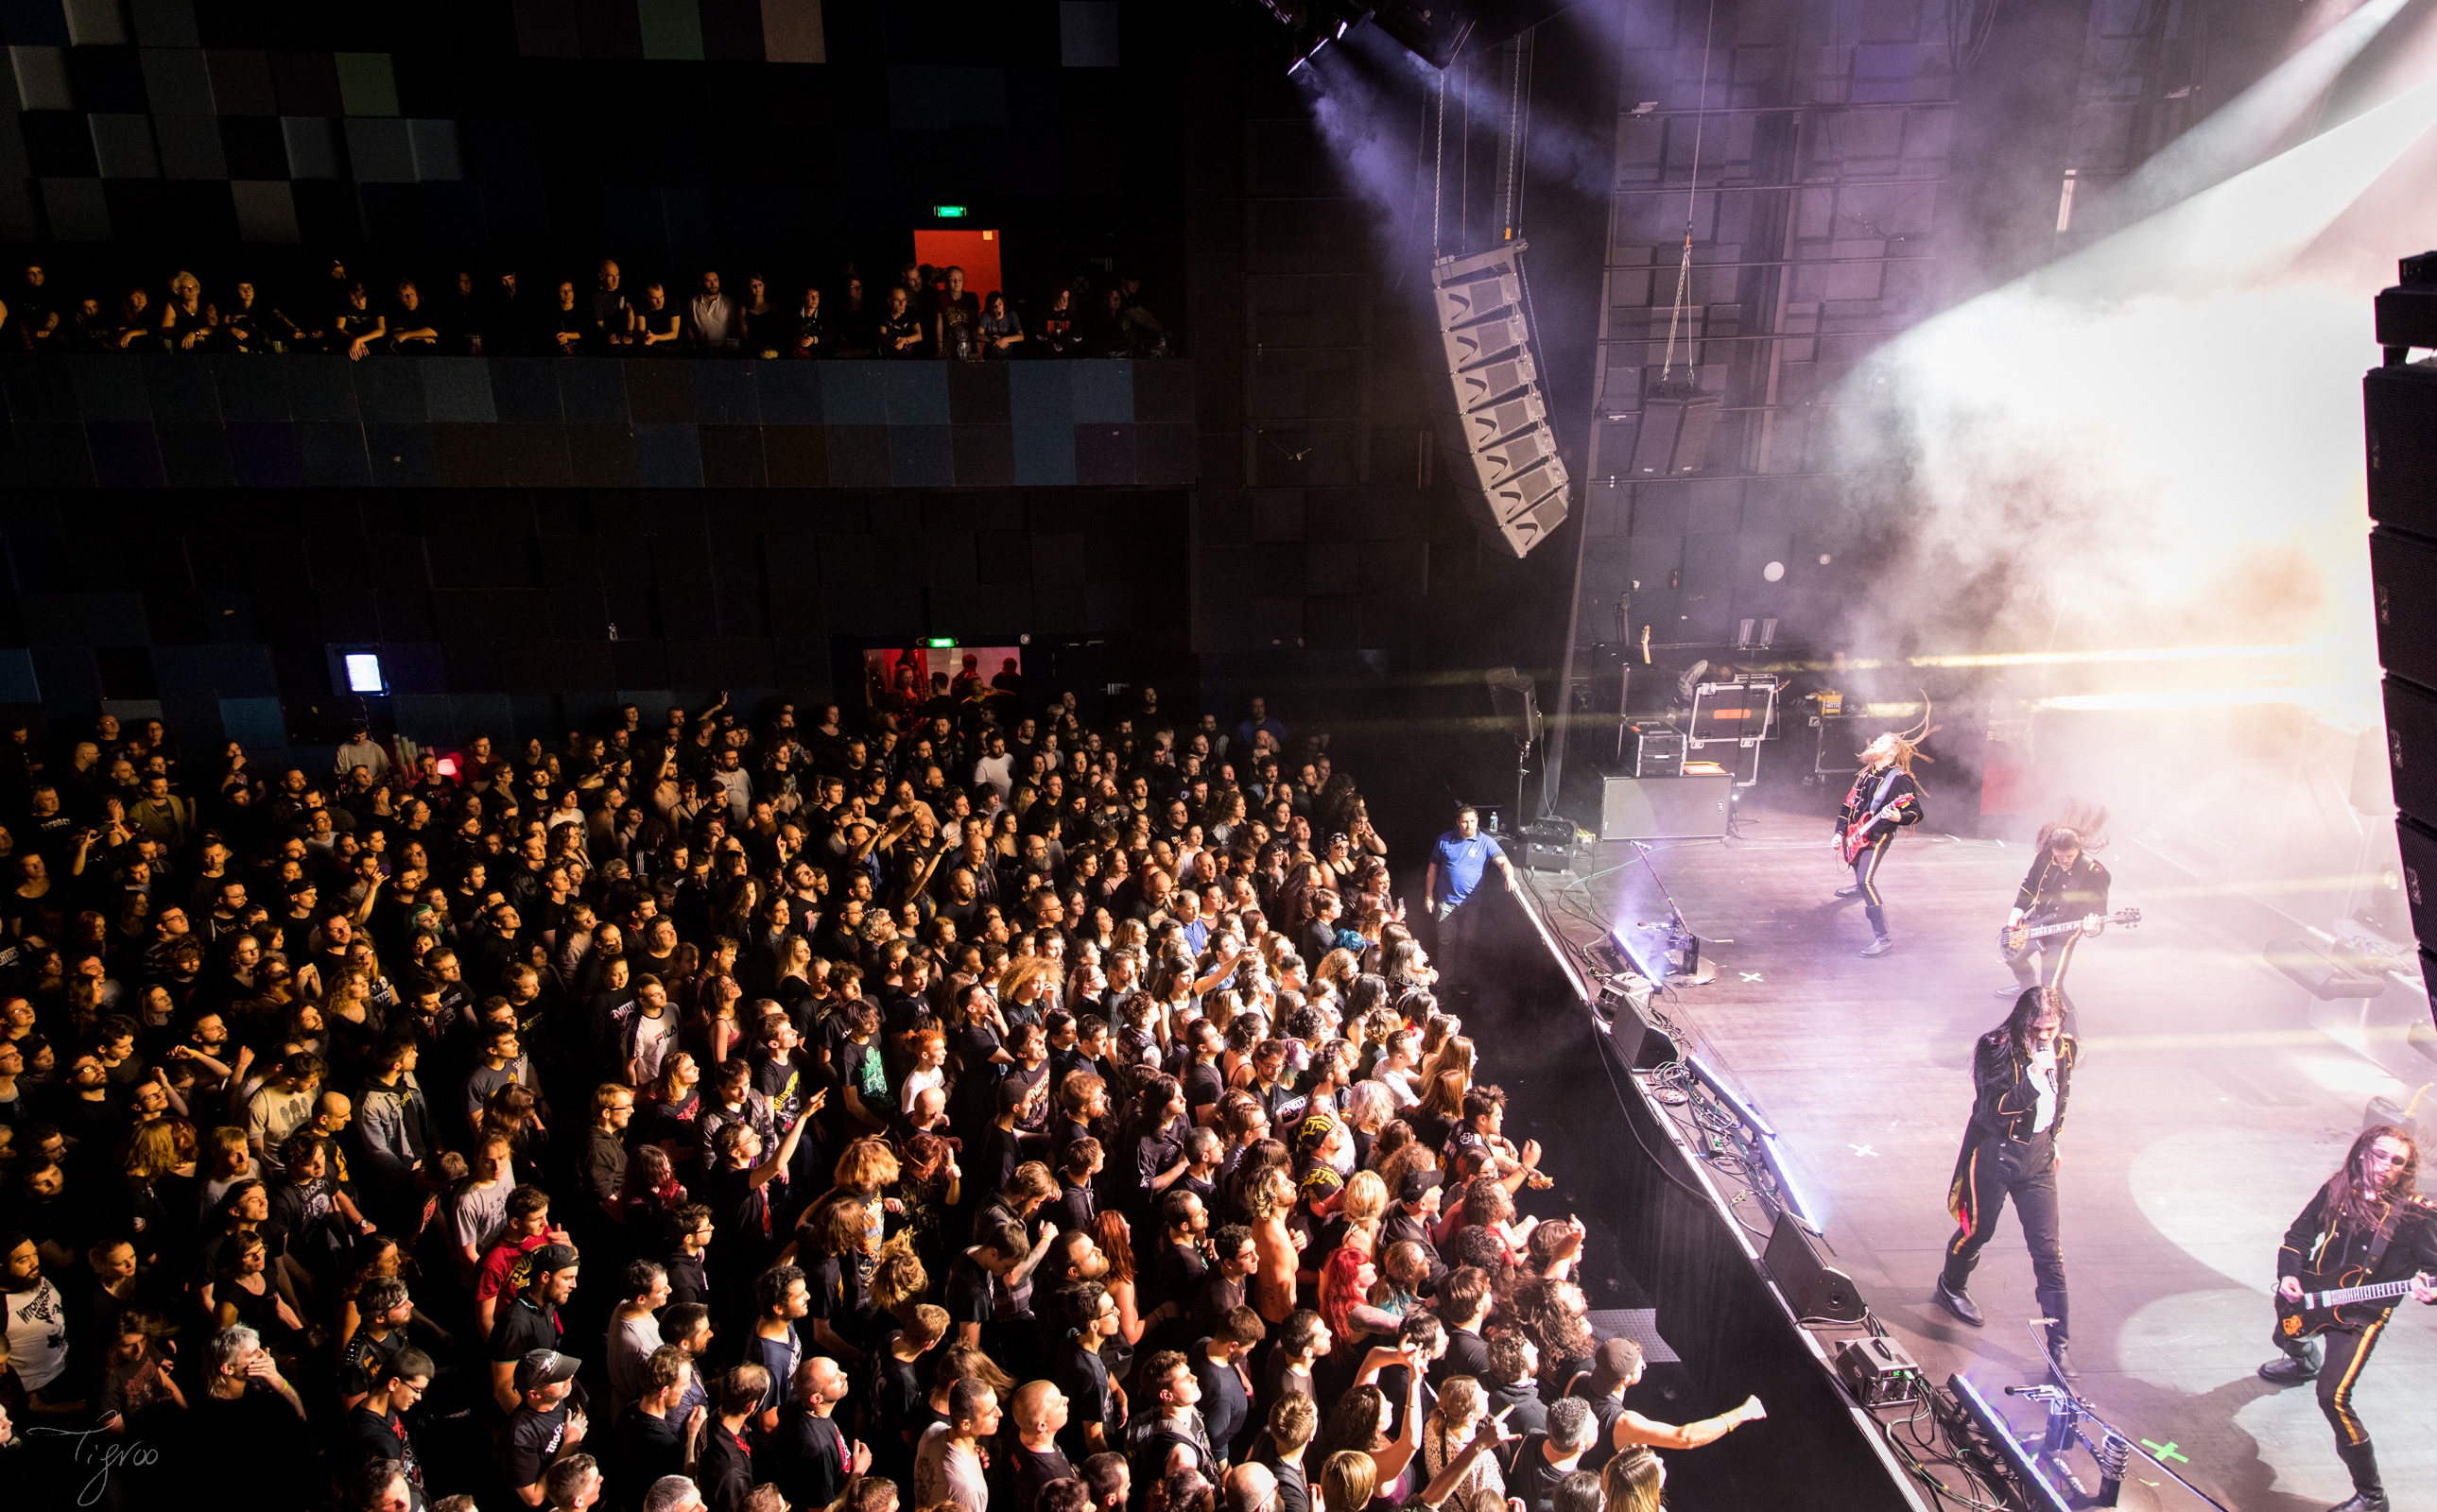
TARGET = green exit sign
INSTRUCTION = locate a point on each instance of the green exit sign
(950, 212)
(941, 643)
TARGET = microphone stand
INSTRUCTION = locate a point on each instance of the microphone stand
(2114, 1451)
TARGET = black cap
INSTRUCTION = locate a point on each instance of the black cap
(1416, 1183)
(552, 1258)
(546, 1368)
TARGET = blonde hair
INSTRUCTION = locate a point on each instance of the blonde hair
(1632, 1481)
(1349, 1480)
(1366, 1198)
(867, 1165)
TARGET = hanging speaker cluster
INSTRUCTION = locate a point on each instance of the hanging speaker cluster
(1493, 419)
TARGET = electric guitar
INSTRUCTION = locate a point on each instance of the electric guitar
(2015, 936)
(2318, 1312)
(1856, 838)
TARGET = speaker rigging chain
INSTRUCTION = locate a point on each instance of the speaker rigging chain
(1691, 198)
(1438, 171)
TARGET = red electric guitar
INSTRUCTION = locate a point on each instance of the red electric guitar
(1856, 837)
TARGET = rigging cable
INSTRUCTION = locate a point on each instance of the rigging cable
(1691, 197)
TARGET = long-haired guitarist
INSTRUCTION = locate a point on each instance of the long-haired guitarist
(2065, 882)
(1883, 799)
(2365, 1229)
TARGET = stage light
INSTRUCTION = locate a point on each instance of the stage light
(1775, 572)
(365, 673)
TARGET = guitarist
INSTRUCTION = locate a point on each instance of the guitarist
(2065, 881)
(1883, 799)
(2367, 1226)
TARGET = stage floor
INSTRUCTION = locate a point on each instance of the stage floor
(2205, 1111)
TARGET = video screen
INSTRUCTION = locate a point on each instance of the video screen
(936, 677)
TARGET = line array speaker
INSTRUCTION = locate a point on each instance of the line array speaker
(2399, 410)
(1492, 418)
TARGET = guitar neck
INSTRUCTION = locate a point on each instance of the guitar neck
(2346, 1296)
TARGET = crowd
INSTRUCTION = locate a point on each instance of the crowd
(962, 1109)
(925, 312)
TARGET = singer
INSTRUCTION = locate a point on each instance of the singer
(2021, 1074)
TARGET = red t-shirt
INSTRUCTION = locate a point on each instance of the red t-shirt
(504, 1271)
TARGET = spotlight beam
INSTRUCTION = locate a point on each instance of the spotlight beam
(2248, 126)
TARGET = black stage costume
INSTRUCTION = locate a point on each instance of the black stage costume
(2009, 1151)
(2402, 1243)
(1892, 799)
(2051, 894)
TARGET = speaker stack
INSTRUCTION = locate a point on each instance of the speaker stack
(1493, 418)
(2399, 401)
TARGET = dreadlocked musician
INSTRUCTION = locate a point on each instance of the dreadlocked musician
(1883, 799)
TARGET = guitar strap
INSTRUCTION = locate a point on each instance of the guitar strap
(2379, 1238)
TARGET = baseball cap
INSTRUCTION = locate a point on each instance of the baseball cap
(546, 1368)
(1416, 1183)
(553, 1258)
(1313, 1130)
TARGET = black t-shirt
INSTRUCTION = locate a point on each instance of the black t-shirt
(374, 1434)
(1534, 1479)
(969, 1292)
(529, 1441)
(1084, 1380)
(644, 1448)
(896, 1401)
(1178, 1276)
(994, 1167)
(1606, 1408)
(521, 1326)
(1467, 1354)
(1226, 1408)
(1030, 1469)
(806, 1456)
(1203, 1086)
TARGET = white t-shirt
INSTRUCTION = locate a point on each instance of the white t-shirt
(37, 1334)
(944, 1473)
(652, 1038)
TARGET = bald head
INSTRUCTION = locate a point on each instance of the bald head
(1250, 1488)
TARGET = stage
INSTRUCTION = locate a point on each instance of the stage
(2205, 1109)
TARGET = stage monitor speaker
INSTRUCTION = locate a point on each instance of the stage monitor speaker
(1673, 437)
(2403, 583)
(1640, 1044)
(1815, 1289)
(1664, 808)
